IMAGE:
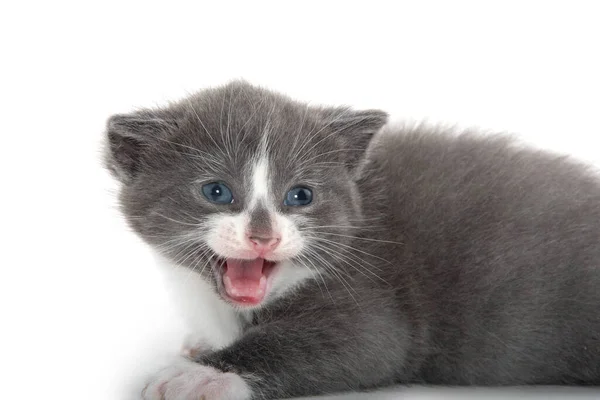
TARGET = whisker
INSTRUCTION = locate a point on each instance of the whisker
(297, 136)
(182, 246)
(314, 270)
(312, 135)
(304, 162)
(176, 221)
(256, 108)
(351, 248)
(351, 262)
(357, 237)
(191, 107)
(195, 264)
(202, 248)
(336, 273)
(194, 149)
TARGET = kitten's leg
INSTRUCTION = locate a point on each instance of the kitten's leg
(291, 358)
(315, 355)
(195, 346)
(306, 346)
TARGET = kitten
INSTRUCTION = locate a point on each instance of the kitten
(340, 254)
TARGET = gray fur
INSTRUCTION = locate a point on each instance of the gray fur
(459, 258)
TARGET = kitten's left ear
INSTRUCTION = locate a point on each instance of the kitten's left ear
(356, 129)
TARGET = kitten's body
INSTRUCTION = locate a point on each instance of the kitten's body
(500, 272)
(459, 259)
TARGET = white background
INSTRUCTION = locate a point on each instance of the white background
(80, 300)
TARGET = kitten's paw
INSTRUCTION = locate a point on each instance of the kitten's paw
(194, 347)
(187, 380)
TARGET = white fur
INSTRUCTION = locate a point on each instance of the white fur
(226, 235)
(260, 182)
(287, 278)
(291, 243)
(186, 380)
(210, 322)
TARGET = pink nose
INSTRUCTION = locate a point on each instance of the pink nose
(264, 243)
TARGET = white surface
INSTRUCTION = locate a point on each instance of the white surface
(430, 393)
(79, 298)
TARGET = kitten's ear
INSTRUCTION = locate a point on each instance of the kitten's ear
(356, 129)
(129, 136)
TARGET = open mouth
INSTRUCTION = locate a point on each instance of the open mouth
(246, 282)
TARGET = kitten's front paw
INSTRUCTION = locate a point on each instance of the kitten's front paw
(194, 347)
(187, 380)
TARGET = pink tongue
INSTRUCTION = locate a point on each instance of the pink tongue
(244, 280)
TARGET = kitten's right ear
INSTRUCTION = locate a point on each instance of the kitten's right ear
(129, 136)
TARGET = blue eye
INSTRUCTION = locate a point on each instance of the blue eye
(298, 196)
(217, 193)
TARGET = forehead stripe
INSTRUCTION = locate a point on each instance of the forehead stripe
(260, 181)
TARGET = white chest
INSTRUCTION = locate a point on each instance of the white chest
(210, 322)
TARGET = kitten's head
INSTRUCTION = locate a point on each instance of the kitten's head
(248, 188)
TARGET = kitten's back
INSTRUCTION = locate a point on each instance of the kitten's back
(502, 242)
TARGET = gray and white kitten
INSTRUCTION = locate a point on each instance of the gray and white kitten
(335, 255)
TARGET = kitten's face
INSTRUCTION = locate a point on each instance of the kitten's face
(243, 186)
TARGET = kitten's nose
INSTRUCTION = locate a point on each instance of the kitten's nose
(264, 243)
